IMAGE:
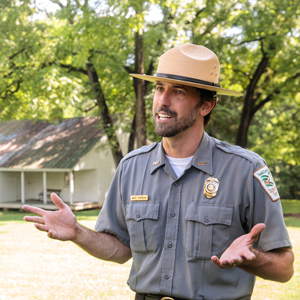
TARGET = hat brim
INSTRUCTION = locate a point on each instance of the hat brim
(218, 90)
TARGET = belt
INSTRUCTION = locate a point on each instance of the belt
(157, 297)
(154, 297)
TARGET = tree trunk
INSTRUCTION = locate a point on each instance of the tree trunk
(249, 103)
(244, 125)
(139, 87)
(106, 119)
(131, 136)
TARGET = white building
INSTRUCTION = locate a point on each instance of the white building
(70, 158)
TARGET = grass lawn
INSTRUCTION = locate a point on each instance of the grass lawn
(36, 267)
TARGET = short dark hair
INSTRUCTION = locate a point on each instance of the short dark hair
(207, 96)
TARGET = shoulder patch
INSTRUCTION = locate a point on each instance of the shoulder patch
(265, 178)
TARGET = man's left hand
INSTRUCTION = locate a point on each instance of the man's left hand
(240, 251)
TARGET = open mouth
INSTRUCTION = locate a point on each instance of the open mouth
(164, 117)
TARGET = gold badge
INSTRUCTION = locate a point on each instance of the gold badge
(211, 187)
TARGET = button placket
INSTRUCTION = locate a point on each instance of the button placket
(171, 233)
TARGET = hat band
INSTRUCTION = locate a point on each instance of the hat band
(187, 79)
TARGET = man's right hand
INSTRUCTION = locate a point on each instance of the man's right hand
(60, 224)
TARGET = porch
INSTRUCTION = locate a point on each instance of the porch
(75, 206)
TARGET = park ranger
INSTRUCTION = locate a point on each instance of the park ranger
(200, 217)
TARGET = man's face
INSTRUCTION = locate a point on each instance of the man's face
(175, 108)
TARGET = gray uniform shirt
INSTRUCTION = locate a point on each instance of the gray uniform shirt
(173, 228)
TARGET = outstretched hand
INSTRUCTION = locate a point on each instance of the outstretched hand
(60, 224)
(240, 251)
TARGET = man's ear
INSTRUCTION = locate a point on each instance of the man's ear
(207, 107)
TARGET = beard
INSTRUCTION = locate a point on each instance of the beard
(179, 125)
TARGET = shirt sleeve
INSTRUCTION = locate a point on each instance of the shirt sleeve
(266, 208)
(112, 218)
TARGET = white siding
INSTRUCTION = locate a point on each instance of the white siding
(93, 185)
(10, 186)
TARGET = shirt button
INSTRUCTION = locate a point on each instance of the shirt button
(170, 245)
(138, 215)
(172, 214)
(206, 219)
(176, 184)
(167, 276)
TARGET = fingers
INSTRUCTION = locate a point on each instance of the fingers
(256, 230)
(38, 211)
(51, 235)
(226, 263)
(33, 209)
(57, 201)
(230, 264)
(217, 262)
(34, 219)
(40, 227)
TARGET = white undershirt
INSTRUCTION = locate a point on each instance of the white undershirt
(179, 164)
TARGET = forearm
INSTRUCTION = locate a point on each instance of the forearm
(101, 245)
(276, 265)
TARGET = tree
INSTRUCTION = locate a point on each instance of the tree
(77, 60)
(258, 42)
(92, 47)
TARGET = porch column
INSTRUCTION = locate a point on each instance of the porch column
(44, 188)
(71, 178)
(22, 187)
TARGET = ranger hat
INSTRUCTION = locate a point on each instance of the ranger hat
(191, 65)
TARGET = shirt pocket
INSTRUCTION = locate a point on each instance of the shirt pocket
(208, 230)
(143, 226)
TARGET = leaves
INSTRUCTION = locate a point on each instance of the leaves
(43, 64)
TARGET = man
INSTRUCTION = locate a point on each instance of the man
(200, 217)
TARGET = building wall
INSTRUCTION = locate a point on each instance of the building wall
(93, 175)
(10, 186)
(33, 184)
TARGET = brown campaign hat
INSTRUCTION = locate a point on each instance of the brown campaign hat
(191, 65)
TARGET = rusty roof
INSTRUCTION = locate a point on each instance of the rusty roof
(31, 144)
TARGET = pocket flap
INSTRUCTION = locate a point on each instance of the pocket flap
(208, 215)
(141, 211)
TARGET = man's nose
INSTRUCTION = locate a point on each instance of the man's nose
(165, 98)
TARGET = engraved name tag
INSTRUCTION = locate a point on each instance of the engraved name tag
(139, 198)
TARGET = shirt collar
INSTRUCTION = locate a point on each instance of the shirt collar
(202, 159)
(159, 158)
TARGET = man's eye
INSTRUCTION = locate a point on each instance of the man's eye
(179, 92)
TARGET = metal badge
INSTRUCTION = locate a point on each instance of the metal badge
(211, 187)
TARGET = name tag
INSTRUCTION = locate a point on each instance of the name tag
(139, 198)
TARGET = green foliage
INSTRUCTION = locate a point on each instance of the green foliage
(290, 206)
(244, 34)
(43, 64)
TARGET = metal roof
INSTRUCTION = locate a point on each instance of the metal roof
(31, 144)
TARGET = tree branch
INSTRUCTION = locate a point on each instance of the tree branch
(250, 41)
(71, 68)
(14, 55)
(58, 3)
(196, 16)
(128, 69)
(271, 95)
